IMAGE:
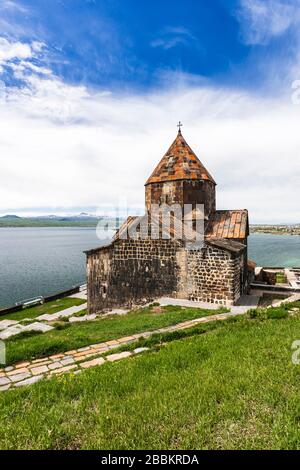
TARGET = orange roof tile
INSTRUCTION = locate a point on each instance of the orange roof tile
(228, 224)
(179, 163)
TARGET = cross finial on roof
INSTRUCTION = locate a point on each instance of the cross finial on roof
(179, 125)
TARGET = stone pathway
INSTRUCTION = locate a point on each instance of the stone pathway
(4, 324)
(9, 328)
(292, 298)
(29, 372)
(67, 312)
(244, 304)
(82, 294)
(18, 328)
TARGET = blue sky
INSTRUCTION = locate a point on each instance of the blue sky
(84, 83)
(138, 44)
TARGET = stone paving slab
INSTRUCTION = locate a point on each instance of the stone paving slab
(62, 370)
(118, 356)
(292, 298)
(17, 371)
(67, 361)
(36, 326)
(95, 362)
(30, 381)
(67, 312)
(4, 381)
(6, 323)
(84, 318)
(40, 360)
(17, 329)
(9, 328)
(39, 370)
(22, 364)
(19, 377)
(11, 331)
(54, 365)
(4, 388)
(80, 295)
(244, 304)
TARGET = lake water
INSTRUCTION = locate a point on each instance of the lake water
(43, 261)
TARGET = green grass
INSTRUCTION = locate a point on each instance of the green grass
(234, 387)
(73, 336)
(280, 278)
(48, 307)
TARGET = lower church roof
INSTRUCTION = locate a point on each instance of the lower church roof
(223, 230)
(232, 224)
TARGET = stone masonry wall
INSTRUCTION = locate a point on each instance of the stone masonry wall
(131, 271)
(135, 271)
(182, 192)
(214, 275)
(98, 276)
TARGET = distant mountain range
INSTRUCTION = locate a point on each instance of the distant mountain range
(81, 220)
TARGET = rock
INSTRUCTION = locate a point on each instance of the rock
(140, 350)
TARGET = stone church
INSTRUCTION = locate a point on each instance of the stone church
(136, 269)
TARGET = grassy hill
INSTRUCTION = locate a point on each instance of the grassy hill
(227, 385)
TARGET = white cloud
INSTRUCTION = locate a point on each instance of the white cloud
(262, 20)
(9, 5)
(65, 146)
(173, 36)
(19, 56)
(13, 50)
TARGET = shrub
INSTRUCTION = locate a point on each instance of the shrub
(62, 326)
(277, 313)
(269, 313)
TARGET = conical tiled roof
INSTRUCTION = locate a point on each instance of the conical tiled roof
(179, 163)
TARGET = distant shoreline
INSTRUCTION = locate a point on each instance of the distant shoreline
(49, 225)
(92, 222)
(274, 230)
(56, 221)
